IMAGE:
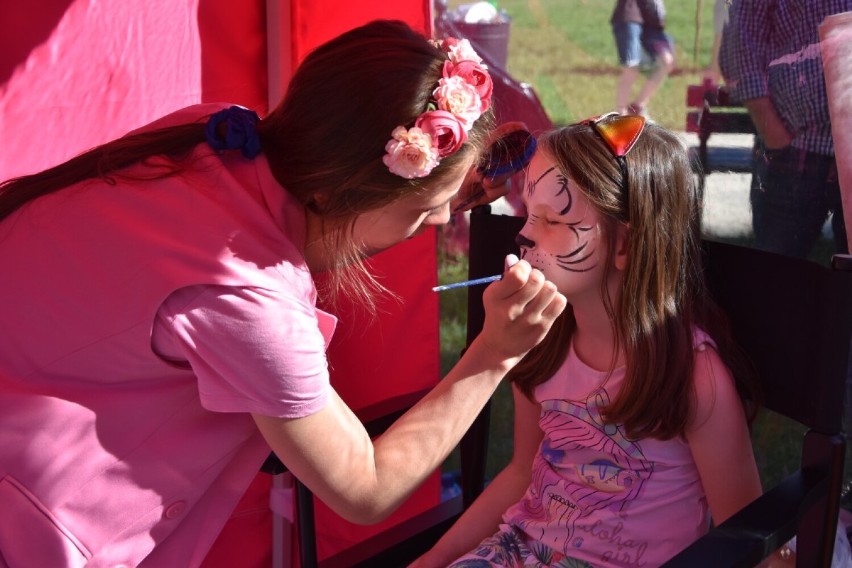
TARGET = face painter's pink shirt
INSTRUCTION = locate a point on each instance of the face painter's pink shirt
(112, 452)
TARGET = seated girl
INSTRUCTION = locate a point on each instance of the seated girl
(631, 435)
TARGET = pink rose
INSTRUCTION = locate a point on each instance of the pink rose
(462, 95)
(448, 134)
(460, 50)
(410, 153)
(459, 97)
(473, 73)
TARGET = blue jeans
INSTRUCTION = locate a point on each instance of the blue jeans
(627, 42)
(631, 38)
(792, 194)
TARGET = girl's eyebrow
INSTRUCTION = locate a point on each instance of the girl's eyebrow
(544, 173)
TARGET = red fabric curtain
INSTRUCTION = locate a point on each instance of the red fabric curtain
(399, 352)
(317, 21)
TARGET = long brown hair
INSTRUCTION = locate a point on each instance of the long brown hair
(662, 296)
(326, 138)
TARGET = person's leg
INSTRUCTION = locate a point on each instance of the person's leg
(665, 64)
(660, 46)
(627, 42)
(624, 88)
(792, 201)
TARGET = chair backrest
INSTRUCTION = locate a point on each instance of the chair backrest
(793, 318)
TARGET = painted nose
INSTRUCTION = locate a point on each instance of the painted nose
(522, 241)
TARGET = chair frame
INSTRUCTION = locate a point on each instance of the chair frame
(804, 380)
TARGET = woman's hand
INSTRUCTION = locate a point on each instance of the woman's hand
(478, 188)
(519, 310)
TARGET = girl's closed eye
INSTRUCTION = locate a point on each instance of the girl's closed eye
(549, 219)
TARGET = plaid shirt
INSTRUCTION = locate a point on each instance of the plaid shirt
(771, 48)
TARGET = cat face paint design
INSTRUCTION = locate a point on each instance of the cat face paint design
(562, 235)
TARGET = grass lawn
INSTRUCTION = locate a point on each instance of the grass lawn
(565, 50)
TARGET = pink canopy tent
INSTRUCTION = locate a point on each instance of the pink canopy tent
(76, 73)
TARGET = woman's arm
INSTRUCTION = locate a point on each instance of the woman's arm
(719, 439)
(364, 481)
(485, 514)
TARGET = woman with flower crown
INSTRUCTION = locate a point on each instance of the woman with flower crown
(161, 324)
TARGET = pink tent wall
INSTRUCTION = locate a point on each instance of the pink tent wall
(76, 73)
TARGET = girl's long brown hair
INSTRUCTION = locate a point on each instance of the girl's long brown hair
(326, 138)
(663, 294)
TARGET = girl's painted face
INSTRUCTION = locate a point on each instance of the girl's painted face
(562, 235)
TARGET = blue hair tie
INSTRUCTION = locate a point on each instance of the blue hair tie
(240, 131)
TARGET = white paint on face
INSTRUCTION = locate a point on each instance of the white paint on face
(562, 235)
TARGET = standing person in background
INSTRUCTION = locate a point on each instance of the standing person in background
(160, 329)
(713, 74)
(770, 57)
(638, 25)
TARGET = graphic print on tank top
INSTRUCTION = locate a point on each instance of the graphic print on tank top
(588, 471)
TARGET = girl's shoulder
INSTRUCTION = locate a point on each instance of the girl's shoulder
(714, 386)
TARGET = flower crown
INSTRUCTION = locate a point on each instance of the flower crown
(462, 95)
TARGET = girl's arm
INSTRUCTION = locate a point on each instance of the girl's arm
(719, 438)
(364, 480)
(485, 514)
(721, 445)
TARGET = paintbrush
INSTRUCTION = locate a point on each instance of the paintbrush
(464, 284)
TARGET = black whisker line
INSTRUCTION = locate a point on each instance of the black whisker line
(576, 260)
(569, 269)
(574, 252)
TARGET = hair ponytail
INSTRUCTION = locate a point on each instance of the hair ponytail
(100, 162)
